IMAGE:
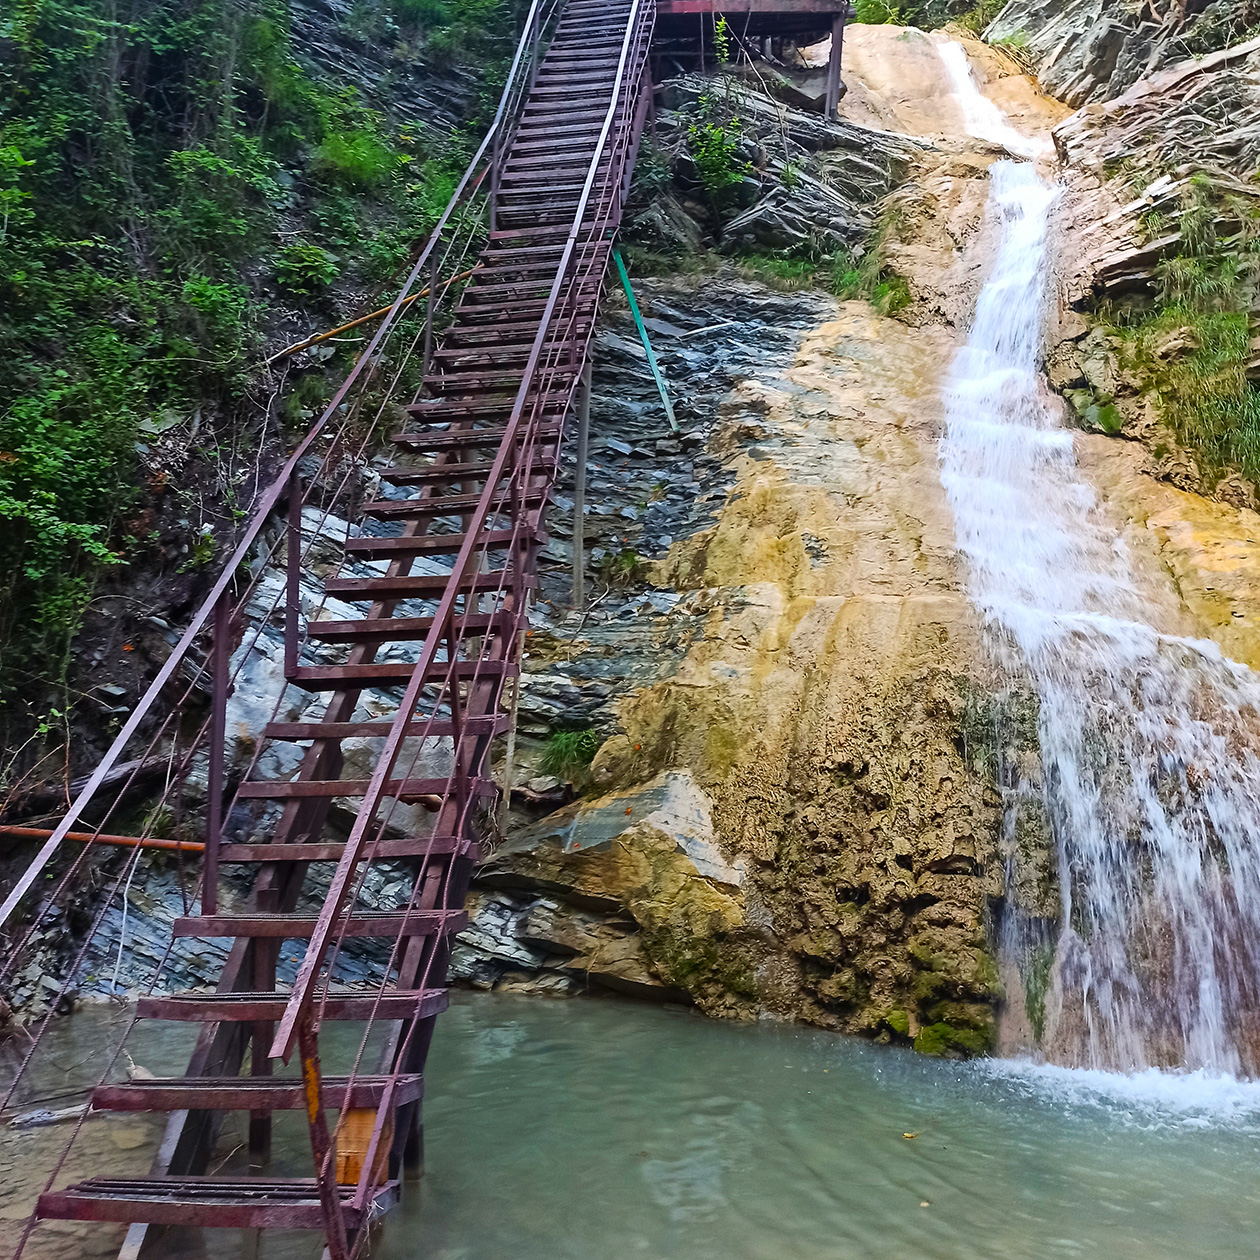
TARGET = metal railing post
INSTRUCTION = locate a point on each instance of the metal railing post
(579, 489)
(293, 577)
(427, 362)
(220, 666)
(494, 184)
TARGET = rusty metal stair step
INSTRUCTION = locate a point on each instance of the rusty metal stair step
(530, 251)
(544, 270)
(388, 674)
(396, 548)
(517, 234)
(573, 162)
(536, 212)
(402, 789)
(268, 1007)
(425, 476)
(331, 851)
(251, 1093)
(423, 544)
(522, 308)
(440, 505)
(485, 724)
(456, 439)
(299, 927)
(399, 628)
(449, 410)
(486, 382)
(208, 1202)
(504, 350)
(486, 334)
(456, 358)
(520, 186)
(482, 295)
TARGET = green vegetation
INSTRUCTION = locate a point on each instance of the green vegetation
(1037, 986)
(156, 157)
(620, 568)
(786, 272)
(568, 754)
(704, 966)
(1193, 345)
(927, 15)
(867, 277)
(847, 273)
(304, 268)
(713, 143)
(943, 1040)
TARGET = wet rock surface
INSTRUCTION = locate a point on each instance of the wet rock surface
(1094, 50)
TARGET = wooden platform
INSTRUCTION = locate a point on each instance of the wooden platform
(806, 21)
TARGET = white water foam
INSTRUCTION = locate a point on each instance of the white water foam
(1150, 1099)
(982, 117)
(1150, 743)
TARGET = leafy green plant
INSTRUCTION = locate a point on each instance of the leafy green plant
(926, 15)
(425, 13)
(468, 27)
(305, 268)
(781, 271)
(978, 18)
(356, 159)
(713, 146)
(722, 40)
(867, 277)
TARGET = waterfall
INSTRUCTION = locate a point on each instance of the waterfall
(981, 116)
(1149, 742)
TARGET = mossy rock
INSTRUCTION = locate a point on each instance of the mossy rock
(947, 1042)
(899, 1022)
(843, 987)
(703, 966)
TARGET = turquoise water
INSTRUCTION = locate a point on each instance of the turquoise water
(608, 1130)
(585, 1131)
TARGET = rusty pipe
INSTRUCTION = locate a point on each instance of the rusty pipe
(90, 837)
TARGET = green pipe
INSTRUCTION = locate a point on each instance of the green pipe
(647, 345)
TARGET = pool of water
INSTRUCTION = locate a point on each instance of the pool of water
(601, 1130)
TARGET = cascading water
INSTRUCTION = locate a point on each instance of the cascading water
(981, 116)
(1150, 743)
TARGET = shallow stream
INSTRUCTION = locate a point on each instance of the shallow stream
(601, 1129)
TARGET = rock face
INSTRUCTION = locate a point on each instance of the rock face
(1093, 50)
(1130, 159)
(792, 822)
(805, 182)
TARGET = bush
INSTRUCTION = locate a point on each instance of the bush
(305, 269)
(356, 159)
(425, 13)
(926, 14)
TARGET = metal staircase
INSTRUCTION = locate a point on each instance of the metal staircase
(440, 584)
